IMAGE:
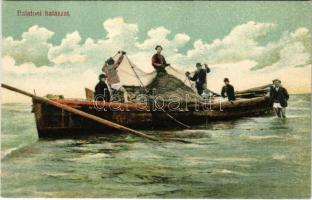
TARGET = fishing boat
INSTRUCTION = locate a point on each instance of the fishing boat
(178, 107)
(54, 122)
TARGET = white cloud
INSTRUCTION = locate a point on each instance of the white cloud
(33, 47)
(9, 67)
(75, 63)
(158, 36)
(68, 51)
(121, 34)
(240, 44)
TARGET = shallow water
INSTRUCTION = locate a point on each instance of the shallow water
(261, 157)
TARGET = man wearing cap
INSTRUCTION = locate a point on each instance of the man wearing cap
(279, 97)
(101, 91)
(110, 69)
(228, 90)
(159, 61)
(199, 77)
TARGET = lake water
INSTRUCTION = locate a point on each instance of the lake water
(257, 157)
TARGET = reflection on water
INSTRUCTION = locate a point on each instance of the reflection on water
(262, 157)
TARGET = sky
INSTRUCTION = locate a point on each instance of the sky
(249, 42)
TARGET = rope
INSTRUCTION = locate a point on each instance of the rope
(122, 70)
(175, 70)
(137, 76)
(168, 115)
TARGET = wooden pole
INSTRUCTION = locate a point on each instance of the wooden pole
(81, 113)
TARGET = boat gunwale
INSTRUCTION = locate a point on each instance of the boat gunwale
(145, 106)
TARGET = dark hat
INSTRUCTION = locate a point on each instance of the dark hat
(226, 80)
(102, 76)
(198, 65)
(277, 80)
(158, 46)
(110, 61)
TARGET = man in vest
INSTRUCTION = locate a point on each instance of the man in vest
(110, 69)
(279, 97)
(159, 61)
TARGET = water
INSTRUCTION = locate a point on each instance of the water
(261, 157)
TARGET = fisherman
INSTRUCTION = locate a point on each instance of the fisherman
(101, 89)
(159, 61)
(279, 97)
(228, 90)
(199, 77)
(110, 69)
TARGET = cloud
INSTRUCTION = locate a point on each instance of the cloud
(158, 36)
(75, 63)
(119, 33)
(53, 80)
(293, 49)
(68, 51)
(240, 44)
(9, 66)
(33, 47)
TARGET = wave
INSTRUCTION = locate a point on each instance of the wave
(88, 157)
(8, 152)
(23, 110)
(228, 172)
(269, 137)
(276, 156)
(263, 137)
(298, 108)
(296, 116)
(232, 159)
(16, 107)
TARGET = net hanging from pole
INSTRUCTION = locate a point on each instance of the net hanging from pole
(174, 83)
(130, 72)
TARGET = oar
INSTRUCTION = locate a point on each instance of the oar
(81, 113)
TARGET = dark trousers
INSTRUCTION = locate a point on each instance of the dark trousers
(199, 88)
(161, 71)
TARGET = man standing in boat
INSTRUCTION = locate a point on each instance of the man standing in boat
(279, 97)
(101, 91)
(199, 77)
(159, 61)
(228, 90)
(110, 69)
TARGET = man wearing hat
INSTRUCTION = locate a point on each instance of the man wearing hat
(159, 61)
(279, 97)
(199, 77)
(101, 91)
(110, 69)
(228, 90)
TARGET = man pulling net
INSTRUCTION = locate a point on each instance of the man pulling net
(199, 77)
(159, 61)
(110, 70)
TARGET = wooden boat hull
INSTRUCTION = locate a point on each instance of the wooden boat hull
(53, 122)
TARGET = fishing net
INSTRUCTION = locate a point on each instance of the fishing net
(168, 87)
(131, 75)
(174, 84)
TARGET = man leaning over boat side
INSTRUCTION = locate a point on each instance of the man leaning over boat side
(159, 62)
(199, 77)
(279, 97)
(110, 69)
(101, 91)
